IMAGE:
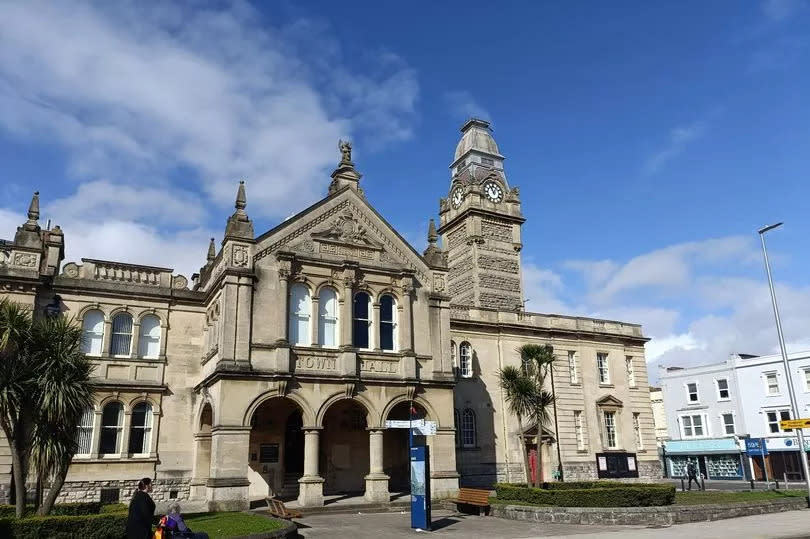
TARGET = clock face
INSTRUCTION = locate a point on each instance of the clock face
(457, 197)
(493, 191)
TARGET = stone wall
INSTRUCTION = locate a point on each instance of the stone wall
(90, 491)
(641, 516)
(648, 470)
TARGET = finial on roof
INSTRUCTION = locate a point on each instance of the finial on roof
(345, 147)
(33, 208)
(33, 214)
(212, 251)
(241, 199)
(239, 224)
(432, 236)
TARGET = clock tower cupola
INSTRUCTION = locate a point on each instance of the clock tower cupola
(480, 224)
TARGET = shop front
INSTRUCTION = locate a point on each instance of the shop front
(784, 459)
(715, 458)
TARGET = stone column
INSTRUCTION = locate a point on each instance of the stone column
(443, 474)
(106, 339)
(153, 433)
(405, 325)
(374, 330)
(311, 484)
(227, 485)
(376, 480)
(346, 322)
(136, 339)
(94, 447)
(284, 290)
(202, 465)
(124, 449)
(314, 321)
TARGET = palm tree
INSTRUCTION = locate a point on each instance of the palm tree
(16, 392)
(527, 397)
(44, 388)
(65, 392)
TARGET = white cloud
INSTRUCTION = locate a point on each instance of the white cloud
(541, 287)
(464, 106)
(679, 138)
(134, 95)
(780, 10)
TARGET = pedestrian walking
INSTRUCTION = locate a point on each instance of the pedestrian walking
(691, 472)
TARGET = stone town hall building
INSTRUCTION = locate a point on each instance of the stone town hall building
(276, 367)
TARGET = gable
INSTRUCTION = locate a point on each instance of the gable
(343, 227)
(609, 401)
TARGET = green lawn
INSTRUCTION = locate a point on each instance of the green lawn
(698, 497)
(224, 525)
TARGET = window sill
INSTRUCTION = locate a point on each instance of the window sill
(724, 400)
(112, 458)
(471, 449)
(607, 385)
(583, 451)
(576, 384)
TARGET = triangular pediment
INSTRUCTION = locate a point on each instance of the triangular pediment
(343, 226)
(610, 401)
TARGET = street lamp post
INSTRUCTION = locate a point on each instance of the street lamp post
(794, 405)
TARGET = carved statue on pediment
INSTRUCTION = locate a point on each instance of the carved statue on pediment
(345, 152)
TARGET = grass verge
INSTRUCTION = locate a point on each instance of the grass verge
(225, 525)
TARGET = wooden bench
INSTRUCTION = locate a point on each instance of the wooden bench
(472, 496)
(276, 508)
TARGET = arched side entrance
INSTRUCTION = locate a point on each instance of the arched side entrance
(396, 457)
(344, 454)
(202, 453)
(275, 450)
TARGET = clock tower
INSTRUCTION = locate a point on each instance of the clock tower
(480, 225)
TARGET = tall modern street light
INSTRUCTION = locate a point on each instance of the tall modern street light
(794, 413)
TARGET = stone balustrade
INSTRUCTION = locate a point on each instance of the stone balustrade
(120, 273)
(547, 321)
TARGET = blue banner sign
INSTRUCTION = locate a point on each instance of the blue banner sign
(420, 488)
(756, 447)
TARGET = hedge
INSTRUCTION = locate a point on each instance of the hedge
(107, 526)
(64, 509)
(622, 495)
(568, 485)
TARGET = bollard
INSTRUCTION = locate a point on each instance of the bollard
(787, 486)
(777, 484)
(752, 484)
(702, 483)
(683, 485)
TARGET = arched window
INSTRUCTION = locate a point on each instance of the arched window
(300, 309)
(362, 320)
(140, 431)
(457, 425)
(121, 341)
(465, 353)
(453, 358)
(388, 322)
(93, 329)
(84, 432)
(468, 434)
(111, 418)
(149, 340)
(327, 317)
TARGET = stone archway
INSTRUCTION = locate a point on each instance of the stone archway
(202, 453)
(344, 454)
(396, 457)
(275, 449)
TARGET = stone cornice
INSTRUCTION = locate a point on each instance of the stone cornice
(521, 329)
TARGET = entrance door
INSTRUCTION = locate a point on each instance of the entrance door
(702, 466)
(294, 445)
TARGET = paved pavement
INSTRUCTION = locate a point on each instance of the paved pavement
(788, 525)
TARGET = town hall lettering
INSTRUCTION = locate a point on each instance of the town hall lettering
(373, 365)
(319, 363)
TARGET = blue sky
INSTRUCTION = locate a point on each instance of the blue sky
(649, 140)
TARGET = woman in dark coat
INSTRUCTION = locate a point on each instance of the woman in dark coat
(141, 512)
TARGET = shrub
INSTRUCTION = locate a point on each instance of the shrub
(110, 526)
(615, 495)
(65, 509)
(114, 508)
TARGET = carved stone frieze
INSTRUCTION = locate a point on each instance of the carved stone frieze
(239, 256)
(25, 260)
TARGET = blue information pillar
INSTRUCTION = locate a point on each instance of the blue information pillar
(420, 488)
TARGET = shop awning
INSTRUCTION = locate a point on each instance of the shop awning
(708, 446)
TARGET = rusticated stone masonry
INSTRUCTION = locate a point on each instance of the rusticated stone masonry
(498, 264)
(497, 231)
(496, 282)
